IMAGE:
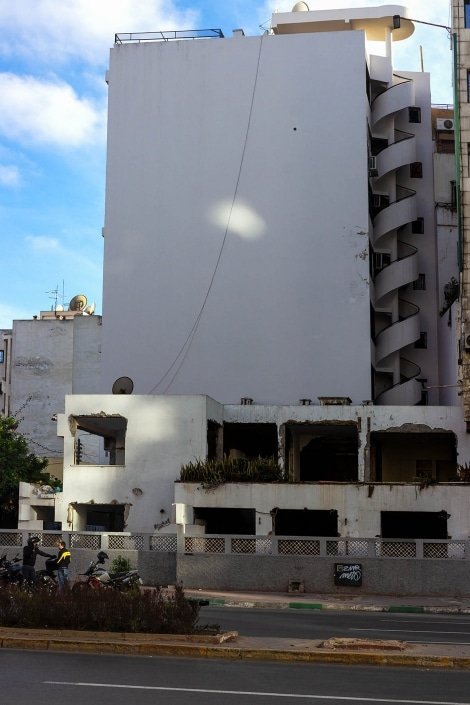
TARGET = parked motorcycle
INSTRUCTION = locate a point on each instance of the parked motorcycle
(47, 578)
(98, 577)
(10, 570)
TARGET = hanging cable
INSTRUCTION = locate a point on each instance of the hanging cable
(183, 351)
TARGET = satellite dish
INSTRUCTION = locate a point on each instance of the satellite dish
(90, 309)
(123, 385)
(59, 307)
(78, 302)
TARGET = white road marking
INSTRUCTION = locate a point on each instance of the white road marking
(413, 631)
(307, 696)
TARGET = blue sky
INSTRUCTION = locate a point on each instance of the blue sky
(53, 57)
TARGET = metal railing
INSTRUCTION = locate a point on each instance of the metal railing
(321, 547)
(166, 36)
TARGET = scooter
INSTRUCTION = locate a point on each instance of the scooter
(10, 570)
(98, 577)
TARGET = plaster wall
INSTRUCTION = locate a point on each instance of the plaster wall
(275, 126)
(162, 433)
(49, 359)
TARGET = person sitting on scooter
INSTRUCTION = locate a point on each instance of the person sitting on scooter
(30, 552)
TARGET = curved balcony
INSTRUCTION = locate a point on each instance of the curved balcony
(395, 215)
(401, 272)
(407, 392)
(393, 99)
(397, 154)
(402, 394)
(398, 335)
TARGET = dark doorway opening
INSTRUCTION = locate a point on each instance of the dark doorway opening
(105, 517)
(251, 440)
(226, 521)
(414, 525)
(214, 434)
(306, 522)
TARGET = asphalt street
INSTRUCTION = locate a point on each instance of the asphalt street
(315, 624)
(42, 678)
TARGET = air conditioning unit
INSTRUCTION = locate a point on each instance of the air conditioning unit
(467, 342)
(373, 166)
(445, 124)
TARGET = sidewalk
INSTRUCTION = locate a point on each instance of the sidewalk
(231, 645)
(370, 603)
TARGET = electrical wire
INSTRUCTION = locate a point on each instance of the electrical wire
(183, 351)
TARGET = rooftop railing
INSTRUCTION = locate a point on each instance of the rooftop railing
(138, 37)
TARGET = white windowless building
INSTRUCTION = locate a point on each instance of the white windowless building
(269, 227)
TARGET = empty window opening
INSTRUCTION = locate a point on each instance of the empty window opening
(416, 170)
(322, 452)
(422, 341)
(414, 114)
(414, 525)
(467, 13)
(226, 521)
(413, 457)
(250, 440)
(305, 522)
(99, 440)
(420, 283)
(214, 440)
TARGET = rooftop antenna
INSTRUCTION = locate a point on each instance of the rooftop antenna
(55, 296)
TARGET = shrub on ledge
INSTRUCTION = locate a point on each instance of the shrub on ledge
(146, 611)
(211, 473)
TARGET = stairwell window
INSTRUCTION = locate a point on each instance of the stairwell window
(467, 13)
(420, 283)
(422, 341)
(416, 170)
(414, 114)
(417, 226)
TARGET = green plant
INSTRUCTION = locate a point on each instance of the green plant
(211, 473)
(120, 565)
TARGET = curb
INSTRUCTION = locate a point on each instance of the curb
(236, 652)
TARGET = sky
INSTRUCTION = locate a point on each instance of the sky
(53, 59)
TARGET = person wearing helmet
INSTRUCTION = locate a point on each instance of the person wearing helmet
(30, 553)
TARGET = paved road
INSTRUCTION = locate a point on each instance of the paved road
(313, 624)
(42, 678)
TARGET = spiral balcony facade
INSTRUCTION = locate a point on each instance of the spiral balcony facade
(391, 216)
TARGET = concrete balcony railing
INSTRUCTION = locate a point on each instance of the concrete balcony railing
(396, 155)
(399, 273)
(398, 335)
(394, 216)
(403, 394)
(398, 97)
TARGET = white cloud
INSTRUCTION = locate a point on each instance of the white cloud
(56, 30)
(47, 112)
(9, 175)
(42, 243)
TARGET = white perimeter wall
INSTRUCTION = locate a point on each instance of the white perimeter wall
(288, 312)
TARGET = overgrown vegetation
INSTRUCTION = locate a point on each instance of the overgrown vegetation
(17, 465)
(451, 294)
(147, 611)
(211, 473)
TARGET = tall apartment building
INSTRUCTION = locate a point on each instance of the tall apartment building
(270, 215)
